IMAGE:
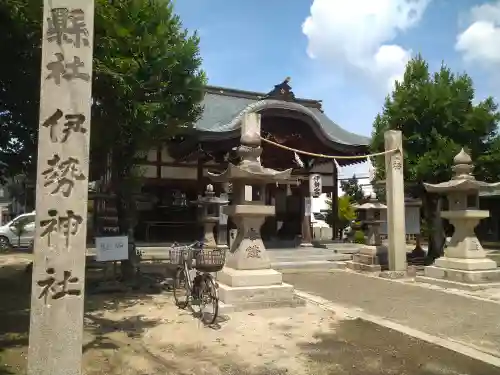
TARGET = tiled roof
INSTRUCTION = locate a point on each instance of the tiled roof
(223, 108)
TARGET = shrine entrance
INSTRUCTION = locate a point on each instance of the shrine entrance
(286, 121)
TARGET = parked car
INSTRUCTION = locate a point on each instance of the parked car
(318, 220)
(9, 237)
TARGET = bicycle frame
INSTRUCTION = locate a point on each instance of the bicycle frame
(187, 271)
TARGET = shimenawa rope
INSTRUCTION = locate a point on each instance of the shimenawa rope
(327, 156)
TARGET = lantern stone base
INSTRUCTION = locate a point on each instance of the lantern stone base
(254, 289)
(369, 259)
(469, 274)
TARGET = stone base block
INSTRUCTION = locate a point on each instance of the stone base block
(455, 284)
(257, 297)
(355, 266)
(227, 308)
(369, 259)
(254, 289)
(378, 250)
(466, 264)
(243, 278)
(463, 276)
(365, 259)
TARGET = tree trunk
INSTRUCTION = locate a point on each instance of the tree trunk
(125, 212)
(437, 238)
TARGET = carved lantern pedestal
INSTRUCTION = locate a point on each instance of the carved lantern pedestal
(373, 254)
(247, 280)
(464, 264)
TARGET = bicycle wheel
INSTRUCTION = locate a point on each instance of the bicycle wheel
(209, 301)
(181, 288)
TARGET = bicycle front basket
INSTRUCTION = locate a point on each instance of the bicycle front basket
(210, 260)
(179, 254)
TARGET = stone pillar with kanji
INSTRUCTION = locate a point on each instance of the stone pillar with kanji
(396, 228)
(57, 291)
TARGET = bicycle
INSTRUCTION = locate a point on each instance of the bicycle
(201, 290)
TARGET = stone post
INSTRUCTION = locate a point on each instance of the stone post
(396, 229)
(57, 291)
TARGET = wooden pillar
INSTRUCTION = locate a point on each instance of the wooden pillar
(200, 190)
(158, 162)
(306, 200)
(335, 202)
(200, 178)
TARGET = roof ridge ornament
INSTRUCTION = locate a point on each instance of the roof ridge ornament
(282, 91)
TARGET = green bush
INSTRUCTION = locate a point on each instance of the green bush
(359, 237)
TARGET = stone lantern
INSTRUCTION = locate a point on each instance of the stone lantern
(247, 280)
(210, 211)
(464, 264)
(373, 209)
(372, 254)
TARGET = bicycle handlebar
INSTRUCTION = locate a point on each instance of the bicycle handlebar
(197, 245)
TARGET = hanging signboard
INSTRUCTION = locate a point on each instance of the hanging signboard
(315, 185)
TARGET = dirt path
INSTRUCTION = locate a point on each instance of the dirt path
(147, 334)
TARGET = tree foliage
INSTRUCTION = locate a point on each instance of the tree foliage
(352, 189)
(345, 213)
(20, 28)
(146, 80)
(438, 115)
(147, 83)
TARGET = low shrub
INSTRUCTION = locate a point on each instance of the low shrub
(359, 237)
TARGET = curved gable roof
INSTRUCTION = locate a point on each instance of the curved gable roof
(223, 109)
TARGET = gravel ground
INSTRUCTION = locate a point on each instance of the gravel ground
(146, 334)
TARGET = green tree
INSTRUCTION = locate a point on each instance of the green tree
(437, 114)
(147, 84)
(345, 212)
(352, 189)
(19, 82)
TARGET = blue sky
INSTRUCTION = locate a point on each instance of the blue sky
(346, 53)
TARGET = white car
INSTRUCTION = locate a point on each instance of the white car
(8, 233)
(318, 220)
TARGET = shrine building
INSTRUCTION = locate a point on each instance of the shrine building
(175, 173)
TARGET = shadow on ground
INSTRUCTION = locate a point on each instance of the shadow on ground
(357, 347)
(15, 288)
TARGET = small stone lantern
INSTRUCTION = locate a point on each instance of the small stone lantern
(372, 207)
(464, 264)
(210, 211)
(373, 254)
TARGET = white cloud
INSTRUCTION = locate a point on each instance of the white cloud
(358, 33)
(481, 40)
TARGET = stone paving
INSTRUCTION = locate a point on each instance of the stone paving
(464, 319)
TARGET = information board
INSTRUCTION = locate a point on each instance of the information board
(111, 248)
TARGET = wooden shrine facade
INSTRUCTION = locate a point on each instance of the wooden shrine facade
(176, 173)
